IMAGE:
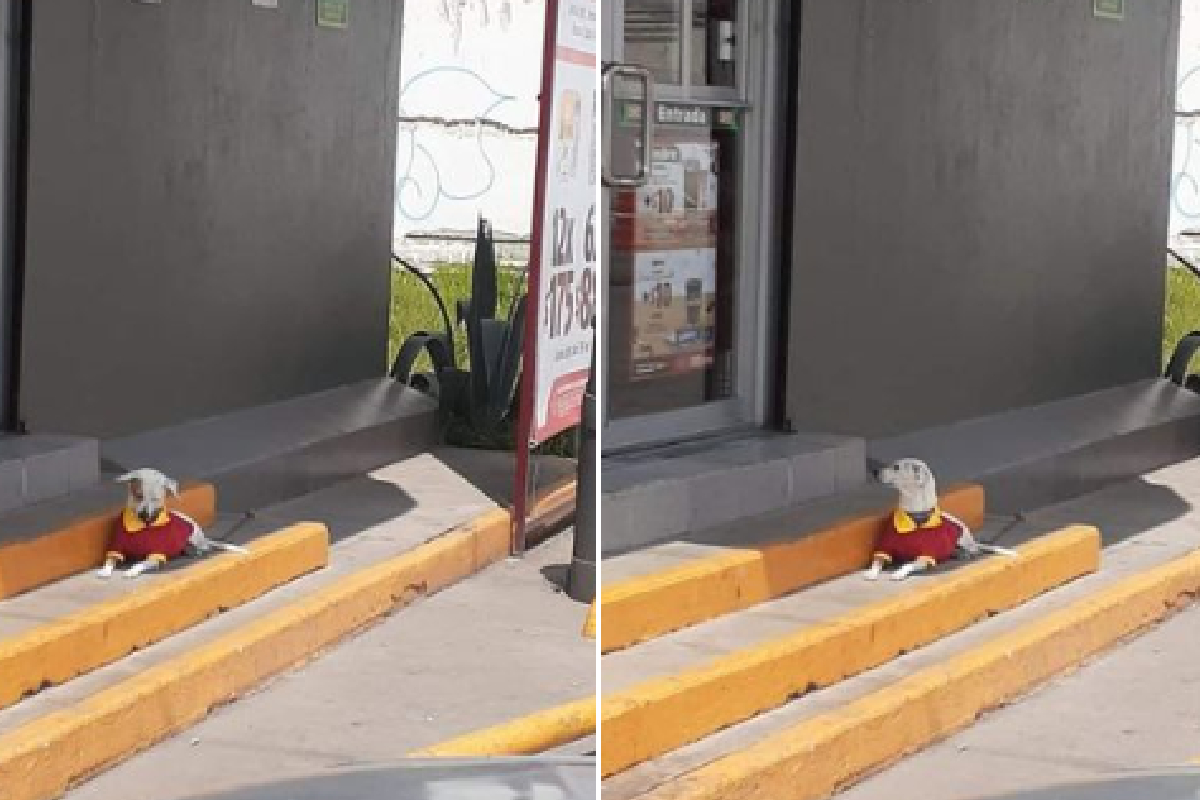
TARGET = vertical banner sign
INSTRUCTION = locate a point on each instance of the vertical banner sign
(562, 281)
(563, 247)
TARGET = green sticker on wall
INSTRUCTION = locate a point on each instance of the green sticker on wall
(632, 112)
(333, 13)
(1109, 9)
(727, 119)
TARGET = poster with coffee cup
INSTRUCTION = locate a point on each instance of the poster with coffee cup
(674, 311)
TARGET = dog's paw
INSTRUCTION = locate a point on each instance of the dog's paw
(105, 572)
(872, 574)
(135, 571)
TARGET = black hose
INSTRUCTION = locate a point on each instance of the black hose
(1013, 520)
(1188, 265)
(436, 297)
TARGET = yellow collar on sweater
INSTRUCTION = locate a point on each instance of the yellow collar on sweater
(133, 524)
(906, 524)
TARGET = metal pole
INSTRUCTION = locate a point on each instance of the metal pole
(581, 583)
(528, 386)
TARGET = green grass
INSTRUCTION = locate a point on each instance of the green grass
(414, 309)
(1183, 309)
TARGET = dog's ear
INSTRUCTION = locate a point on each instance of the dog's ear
(172, 487)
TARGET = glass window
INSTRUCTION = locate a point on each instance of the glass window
(714, 42)
(673, 257)
(654, 38)
(655, 31)
(673, 267)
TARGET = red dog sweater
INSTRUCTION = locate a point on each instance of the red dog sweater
(165, 538)
(903, 540)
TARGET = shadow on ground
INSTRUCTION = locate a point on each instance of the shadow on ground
(493, 472)
(557, 574)
(372, 504)
(495, 779)
(1181, 785)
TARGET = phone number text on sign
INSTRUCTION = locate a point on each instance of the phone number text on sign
(571, 298)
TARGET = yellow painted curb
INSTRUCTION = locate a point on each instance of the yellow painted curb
(589, 625)
(526, 736)
(661, 715)
(644, 607)
(555, 506)
(54, 653)
(79, 544)
(835, 749)
(41, 759)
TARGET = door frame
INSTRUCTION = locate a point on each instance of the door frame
(757, 93)
(15, 93)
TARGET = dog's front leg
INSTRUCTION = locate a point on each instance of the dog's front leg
(110, 564)
(968, 543)
(876, 568)
(151, 563)
(913, 567)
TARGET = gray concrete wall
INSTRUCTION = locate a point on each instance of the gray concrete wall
(981, 207)
(209, 207)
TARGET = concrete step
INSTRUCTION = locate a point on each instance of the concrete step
(658, 495)
(55, 516)
(492, 648)
(1033, 457)
(833, 736)
(668, 587)
(37, 468)
(267, 454)
(69, 628)
(679, 688)
(394, 540)
(49, 541)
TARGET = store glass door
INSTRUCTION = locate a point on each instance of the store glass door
(683, 268)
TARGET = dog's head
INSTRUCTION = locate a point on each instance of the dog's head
(914, 480)
(148, 490)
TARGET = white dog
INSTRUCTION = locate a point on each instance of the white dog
(149, 534)
(920, 534)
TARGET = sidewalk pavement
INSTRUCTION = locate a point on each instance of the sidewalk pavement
(1136, 707)
(500, 645)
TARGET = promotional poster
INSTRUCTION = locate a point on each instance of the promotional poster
(565, 293)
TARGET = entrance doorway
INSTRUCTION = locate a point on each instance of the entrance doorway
(686, 263)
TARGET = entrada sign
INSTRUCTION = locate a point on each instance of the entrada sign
(674, 114)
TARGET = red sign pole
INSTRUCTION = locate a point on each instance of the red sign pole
(521, 488)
